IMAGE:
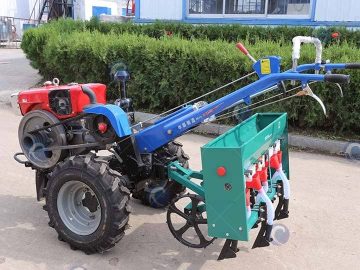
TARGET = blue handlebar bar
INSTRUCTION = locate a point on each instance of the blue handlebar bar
(176, 125)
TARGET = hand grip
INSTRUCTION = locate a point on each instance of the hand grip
(352, 66)
(242, 48)
(337, 78)
(90, 93)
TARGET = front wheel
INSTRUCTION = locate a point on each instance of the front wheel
(86, 204)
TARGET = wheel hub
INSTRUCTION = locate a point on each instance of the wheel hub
(79, 208)
(90, 202)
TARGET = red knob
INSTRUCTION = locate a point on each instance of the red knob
(102, 127)
(221, 171)
(242, 48)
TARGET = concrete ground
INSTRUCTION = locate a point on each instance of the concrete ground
(321, 233)
(15, 73)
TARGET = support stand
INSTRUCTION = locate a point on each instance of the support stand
(229, 250)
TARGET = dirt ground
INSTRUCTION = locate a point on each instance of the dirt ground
(321, 233)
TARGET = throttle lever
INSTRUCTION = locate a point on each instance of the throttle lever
(306, 91)
(243, 49)
(340, 88)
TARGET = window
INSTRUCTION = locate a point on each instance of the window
(298, 8)
(206, 6)
(245, 7)
(289, 7)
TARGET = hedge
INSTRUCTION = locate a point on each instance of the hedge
(169, 71)
(230, 33)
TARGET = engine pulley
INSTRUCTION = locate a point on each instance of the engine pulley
(35, 144)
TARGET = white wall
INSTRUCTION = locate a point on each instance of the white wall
(16, 8)
(161, 9)
(335, 10)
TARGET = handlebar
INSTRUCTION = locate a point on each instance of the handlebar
(336, 78)
(352, 66)
(90, 93)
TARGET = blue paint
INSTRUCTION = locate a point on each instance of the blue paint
(181, 111)
(313, 10)
(117, 117)
(184, 9)
(159, 134)
(97, 11)
(274, 65)
(329, 67)
(137, 10)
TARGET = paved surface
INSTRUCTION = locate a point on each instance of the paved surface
(15, 73)
(323, 228)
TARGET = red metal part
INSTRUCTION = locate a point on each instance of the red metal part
(274, 162)
(255, 182)
(264, 175)
(38, 98)
(102, 127)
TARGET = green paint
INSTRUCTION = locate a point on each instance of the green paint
(235, 150)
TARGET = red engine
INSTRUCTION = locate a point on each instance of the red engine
(64, 101)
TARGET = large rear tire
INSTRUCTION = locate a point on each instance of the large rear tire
(87, 204)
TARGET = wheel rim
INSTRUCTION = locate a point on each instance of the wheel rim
(79, 208)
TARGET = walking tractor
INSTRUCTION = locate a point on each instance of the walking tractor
(244, 171)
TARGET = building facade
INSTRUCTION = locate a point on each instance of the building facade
(252, 12)
(80, 9)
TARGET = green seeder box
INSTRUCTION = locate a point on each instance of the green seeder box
(236, 150)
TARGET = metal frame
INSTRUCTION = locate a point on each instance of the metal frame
(178, 123)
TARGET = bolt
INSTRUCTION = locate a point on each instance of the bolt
(169, 131)
(240, 228)
(262, 210)
(213, 225)
(227, 234)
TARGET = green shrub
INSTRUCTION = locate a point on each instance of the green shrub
(170, 70)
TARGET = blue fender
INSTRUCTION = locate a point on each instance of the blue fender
(117, 117)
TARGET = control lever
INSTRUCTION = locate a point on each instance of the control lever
(340, 89)
(243, 49)
(306, 91)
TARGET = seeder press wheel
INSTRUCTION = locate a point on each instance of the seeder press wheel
(187, 221)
